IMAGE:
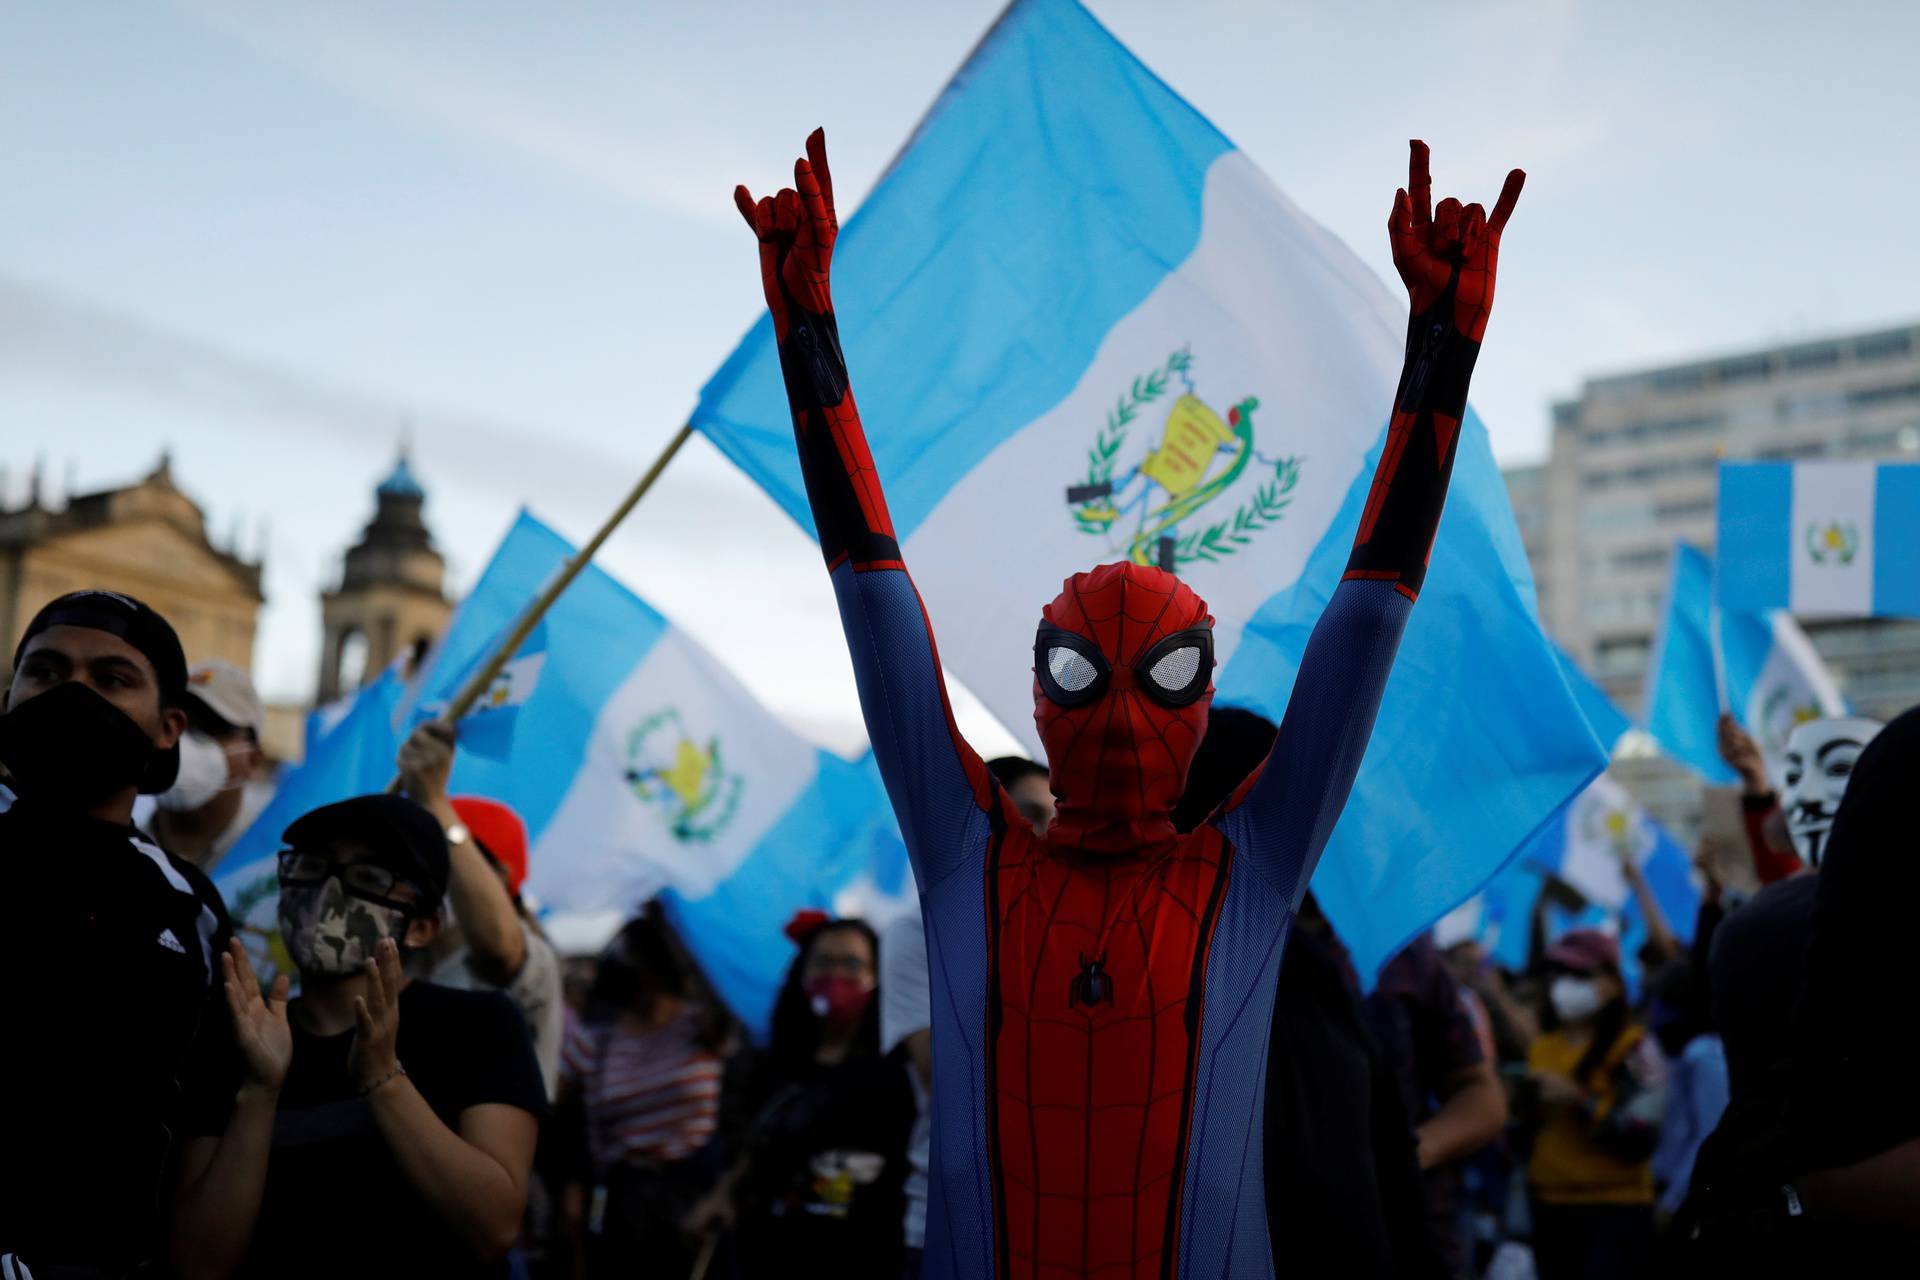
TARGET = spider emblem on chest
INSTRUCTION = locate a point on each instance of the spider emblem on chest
(1093, 985)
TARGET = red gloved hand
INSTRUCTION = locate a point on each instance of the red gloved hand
(797, 228)
(1430, 246)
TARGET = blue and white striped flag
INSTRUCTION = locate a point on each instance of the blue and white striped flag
(1820, 538)
(1083, 327)
(1590, 840)
(1708, 659)
(642, 767)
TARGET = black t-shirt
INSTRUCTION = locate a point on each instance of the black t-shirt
(1427, 1037)
(107, 948)
(1756, 967)
(336, 1202)
(828, 1153)
(1342, 1182)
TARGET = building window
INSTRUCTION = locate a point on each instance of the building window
(1641, 558)
(1825, 356)
(1821, 404)
(1620, 657)
(1674, 381)
(1883, 346)
(1745, 369)
(1874, 397)
(1789, 452)
(354, 652)
(1690, 510)
(1614, 519)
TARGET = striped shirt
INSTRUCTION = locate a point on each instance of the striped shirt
(649, 1095)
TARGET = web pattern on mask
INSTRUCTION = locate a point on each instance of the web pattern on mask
(1122, 756)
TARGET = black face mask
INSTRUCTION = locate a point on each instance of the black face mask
(69, 748)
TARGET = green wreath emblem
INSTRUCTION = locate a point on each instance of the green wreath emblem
(1838, 542)
(693, 815)
(1165, 539)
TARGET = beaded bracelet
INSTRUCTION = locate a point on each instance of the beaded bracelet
(398, 1070)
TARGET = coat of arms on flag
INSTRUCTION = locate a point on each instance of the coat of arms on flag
(681, 778)
(1149, 512)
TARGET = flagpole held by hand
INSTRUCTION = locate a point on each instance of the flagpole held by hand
(482, 679)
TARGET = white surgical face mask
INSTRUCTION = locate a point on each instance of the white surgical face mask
(1574, 999)
(1818, 761)
(203, 774)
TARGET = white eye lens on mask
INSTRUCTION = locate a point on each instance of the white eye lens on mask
(1574, 999)
(202, 776)
(1177, 670)
(1070, 669)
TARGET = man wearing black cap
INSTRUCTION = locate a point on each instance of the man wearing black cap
(107, 943)
(382, 1127)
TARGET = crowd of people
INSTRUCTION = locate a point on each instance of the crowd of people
(1119, 1037)
(435, 1101)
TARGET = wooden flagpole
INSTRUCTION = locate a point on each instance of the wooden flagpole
(536, 609)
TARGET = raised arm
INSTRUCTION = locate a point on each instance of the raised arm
(938, 785)
(1447, 258)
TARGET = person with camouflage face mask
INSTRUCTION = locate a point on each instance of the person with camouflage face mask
(381, 1126)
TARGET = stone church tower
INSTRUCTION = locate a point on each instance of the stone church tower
(147, 539)
(390, 599)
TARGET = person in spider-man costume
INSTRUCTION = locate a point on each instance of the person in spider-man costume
(1102, 993)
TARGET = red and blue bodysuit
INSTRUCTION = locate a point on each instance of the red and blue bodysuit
(1102, 993)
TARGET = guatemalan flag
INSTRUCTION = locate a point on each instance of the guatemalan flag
(1820, 538)
(1708, 658)
(1084, 327)
(1588, 842)
(642, 768)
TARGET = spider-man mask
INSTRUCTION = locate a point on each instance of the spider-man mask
(1123, 675)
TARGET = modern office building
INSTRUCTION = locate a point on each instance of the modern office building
(1632, 468)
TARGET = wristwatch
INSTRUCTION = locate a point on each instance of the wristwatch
(457, 834)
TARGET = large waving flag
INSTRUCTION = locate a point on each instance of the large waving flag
(1608, 720)
(1706, 659)
(641, 766)
(1083, 326)
(1832, 538)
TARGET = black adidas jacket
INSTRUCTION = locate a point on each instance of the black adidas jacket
(111, 1011)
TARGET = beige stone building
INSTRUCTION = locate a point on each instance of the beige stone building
(391, 596)
(148, 540)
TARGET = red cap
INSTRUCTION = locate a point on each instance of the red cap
(498, 828)
(1585, 951)
(805, 923)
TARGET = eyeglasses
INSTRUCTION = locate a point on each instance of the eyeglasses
(367, 880)
(1073, 672)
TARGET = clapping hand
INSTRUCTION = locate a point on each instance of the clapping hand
(260, 1028)
(373, 1059)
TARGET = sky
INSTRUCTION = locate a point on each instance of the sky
(277, 237)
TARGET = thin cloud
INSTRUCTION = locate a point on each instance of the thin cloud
(375, 65)
(56, 342)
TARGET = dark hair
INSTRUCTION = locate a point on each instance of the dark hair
(647, 962)
(796, 1031)
(1608, 1026)
(1008, 770)
(1237, 741)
